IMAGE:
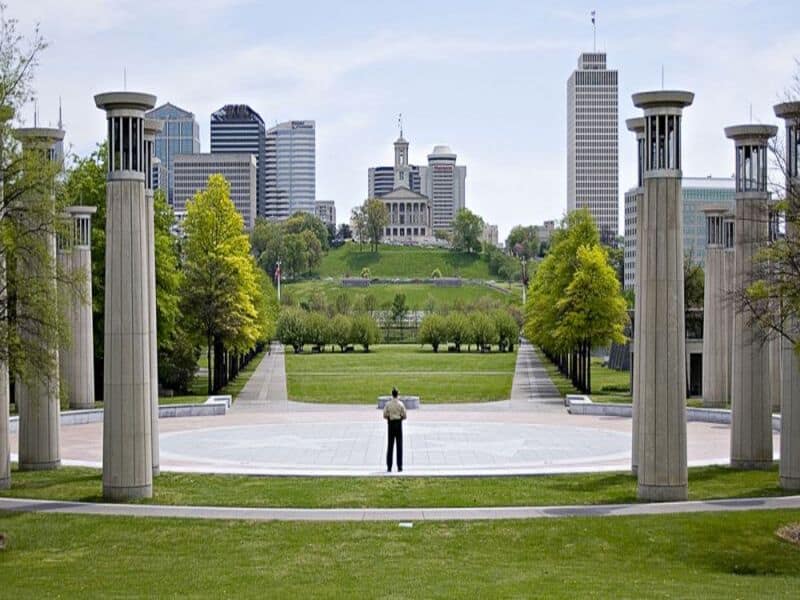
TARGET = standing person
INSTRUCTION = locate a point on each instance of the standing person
(395, 413)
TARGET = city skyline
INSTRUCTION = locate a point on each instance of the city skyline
(509, 64)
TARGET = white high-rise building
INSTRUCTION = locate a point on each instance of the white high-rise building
(443, 182)
(592, 142)
(291, 174)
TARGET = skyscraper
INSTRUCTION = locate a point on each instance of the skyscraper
(237, 128)
(443, 182)
(290, 159)
(592, 144)
(180, 135)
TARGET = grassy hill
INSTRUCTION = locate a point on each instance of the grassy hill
(418, 296)
(402, 261)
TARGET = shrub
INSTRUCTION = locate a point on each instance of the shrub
(342, 304)
(317, 330)
(177, 364)
(437, 274)
(507, 330)
(291, 328)
(365, 331)
(399, 308)
(457, 329)
(365, 273)
(341, 330)
(433, 331)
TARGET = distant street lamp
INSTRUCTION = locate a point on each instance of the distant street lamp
(524, 261)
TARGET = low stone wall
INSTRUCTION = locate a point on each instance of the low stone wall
(95, 415)
(410, 402)
(582, 405)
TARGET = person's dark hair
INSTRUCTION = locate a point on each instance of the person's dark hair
(394, 392)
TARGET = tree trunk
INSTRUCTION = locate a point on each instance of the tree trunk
(588, 368)
(208, 364)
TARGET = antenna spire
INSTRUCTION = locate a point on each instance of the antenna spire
(400, 123)
(60, 120)
(594, 31)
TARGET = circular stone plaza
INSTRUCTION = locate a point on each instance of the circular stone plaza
(532, 433)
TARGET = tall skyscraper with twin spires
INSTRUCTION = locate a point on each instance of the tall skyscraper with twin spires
(592, 142)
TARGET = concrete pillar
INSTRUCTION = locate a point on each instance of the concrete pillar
(728, 308)
(127, 433)
(716, 325)
(636, 126)
(751, 414)
(6, 113)
(661, 367)
(790, 366)
(38, 399)
(77, 360)
(151, 128)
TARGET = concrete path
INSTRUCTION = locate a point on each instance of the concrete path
(20, 505)
(267, 385)
(532, 384)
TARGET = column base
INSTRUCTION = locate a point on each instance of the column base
(635, 470)
(5, 483)
(787, 483)
(663, 493)
(156, 471)
(751, 465)
(127, 493)
(40, 466)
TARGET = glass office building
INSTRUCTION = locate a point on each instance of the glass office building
(180, 135)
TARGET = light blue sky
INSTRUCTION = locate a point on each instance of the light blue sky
(486, 78)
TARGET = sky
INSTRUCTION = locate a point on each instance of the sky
(486, 78)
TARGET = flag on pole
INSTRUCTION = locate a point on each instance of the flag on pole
(593, 15)
(278, 272)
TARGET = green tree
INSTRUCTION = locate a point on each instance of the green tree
(342, 303)
(317, 330)
(457, 329)
(266, 240)
(467, 231)
(291, 328)
(694, 279)
(358, 218)
(592, 311)
(433, 331)
(483, 330)
(399, 307)
(341, 330)
(303, 221)
(523, 242)
(507, 330)
(220, 282)
(376, 218)
(365, 331)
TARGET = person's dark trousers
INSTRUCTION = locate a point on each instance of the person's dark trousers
(395, 436)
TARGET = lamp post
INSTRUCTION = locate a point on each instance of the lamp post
(524, 262)
(278, 277)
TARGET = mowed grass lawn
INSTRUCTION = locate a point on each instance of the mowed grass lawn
(359, 377)
(81, 484)
(402, 261)
(732, 555)
(418, 295)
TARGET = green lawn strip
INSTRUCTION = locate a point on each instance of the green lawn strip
(732, 555)
(402, 261)
(84, 484)
(418, 296)
(358, 377)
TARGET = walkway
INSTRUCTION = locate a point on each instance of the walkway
(395, 514)
(267, 385)
(532, 384)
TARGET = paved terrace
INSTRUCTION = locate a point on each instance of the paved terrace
(267, 434)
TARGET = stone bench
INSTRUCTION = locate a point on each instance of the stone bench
(410, 402)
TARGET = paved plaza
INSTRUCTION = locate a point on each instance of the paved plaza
(265, 433)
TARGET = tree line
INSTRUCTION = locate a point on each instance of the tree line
(575, 302)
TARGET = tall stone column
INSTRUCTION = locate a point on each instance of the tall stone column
(127, 422)
(77, 360)
(661, 368)
(6, 113)
(716, 326)
(636, 126)
(38, 398)
(151, 128)
(790, 366)
(751, 414)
